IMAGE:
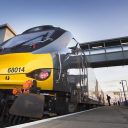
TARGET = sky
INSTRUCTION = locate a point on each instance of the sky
(87, 20)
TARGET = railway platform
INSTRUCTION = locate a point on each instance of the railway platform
(102, 117)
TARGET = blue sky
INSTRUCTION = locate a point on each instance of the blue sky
(86, 19)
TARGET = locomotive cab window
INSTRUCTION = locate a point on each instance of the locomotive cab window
(36, 40)
(27, 39)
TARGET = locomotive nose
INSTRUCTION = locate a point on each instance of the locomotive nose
(24, 62)
(17, 68)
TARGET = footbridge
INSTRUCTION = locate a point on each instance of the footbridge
(105, 53)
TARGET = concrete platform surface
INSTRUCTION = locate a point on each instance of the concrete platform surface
(103, 117)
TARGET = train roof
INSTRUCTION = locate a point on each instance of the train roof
(40, 28)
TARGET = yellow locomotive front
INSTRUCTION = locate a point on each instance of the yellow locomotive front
(31, 72)
(17, 68)
(28, 56)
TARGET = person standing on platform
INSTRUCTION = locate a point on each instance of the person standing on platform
(118, 103)
(108, 99)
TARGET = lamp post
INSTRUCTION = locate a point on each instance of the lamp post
(127, 88)
(120, 95)
(126, 85)
(123, 89)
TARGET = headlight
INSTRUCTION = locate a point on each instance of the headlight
(39, 74)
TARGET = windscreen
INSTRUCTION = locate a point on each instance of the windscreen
(27, 39)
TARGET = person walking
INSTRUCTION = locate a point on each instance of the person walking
(118, 103)
(108, 99)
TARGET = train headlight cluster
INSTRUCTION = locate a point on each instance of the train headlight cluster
(40, 74)
(43, 75)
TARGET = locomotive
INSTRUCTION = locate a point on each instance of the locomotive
(44, 70)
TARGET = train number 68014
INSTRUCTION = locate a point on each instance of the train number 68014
(16, 69)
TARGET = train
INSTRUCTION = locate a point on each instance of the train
(42, 71)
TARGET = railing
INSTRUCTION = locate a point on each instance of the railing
(109, 49)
